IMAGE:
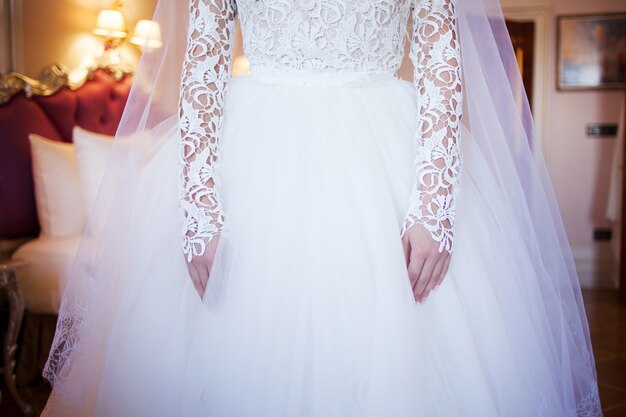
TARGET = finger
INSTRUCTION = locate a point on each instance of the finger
(193, 273)
(406, 246)
(434, 278)
(424, 277)
(444, 271)
(415, 268)
(203, 275)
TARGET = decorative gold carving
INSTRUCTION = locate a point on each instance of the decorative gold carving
(9, 86)
(51, 80)
(54, 78)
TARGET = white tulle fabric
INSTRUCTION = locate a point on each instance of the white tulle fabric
(309, 309)
(328, 36)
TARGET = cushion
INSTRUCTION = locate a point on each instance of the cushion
(58, 197)
(97, 106)
(92, 151)
(46, 271)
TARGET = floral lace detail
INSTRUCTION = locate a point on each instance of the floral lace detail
(589, 405)
(324, 35)
(206, 70)
(435, 53)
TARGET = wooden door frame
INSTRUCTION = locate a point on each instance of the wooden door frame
(621, 289)
(540, 15)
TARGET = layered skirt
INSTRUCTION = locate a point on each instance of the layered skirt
(309, 309)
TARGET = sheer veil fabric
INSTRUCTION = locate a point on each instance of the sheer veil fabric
(497, 133)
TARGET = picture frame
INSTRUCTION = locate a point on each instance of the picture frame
(591, 51)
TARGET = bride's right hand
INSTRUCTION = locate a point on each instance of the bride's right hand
(426, 265)
(200, 266)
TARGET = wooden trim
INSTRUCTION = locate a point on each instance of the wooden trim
(595, 265)
(622, 263)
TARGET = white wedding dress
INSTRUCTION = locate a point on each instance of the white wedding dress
(310, 169)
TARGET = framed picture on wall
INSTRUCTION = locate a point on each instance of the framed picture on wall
(591, 51)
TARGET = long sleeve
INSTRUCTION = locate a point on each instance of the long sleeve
(205, 74)
(435, 54)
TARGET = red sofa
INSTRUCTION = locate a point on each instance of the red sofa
(96, 106)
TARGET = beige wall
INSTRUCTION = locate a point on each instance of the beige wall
(580, 167)
(60, 31)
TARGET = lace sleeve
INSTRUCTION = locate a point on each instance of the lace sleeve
(435, 53)
(206, 70)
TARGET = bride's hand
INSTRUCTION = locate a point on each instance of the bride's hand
(425, 264)
(200, 267)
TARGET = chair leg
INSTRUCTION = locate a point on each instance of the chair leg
(8, 282)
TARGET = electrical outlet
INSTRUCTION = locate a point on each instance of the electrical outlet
(601, 130)
(602, 234)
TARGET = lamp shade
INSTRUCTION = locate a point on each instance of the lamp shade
(111, 23)
(147, 33)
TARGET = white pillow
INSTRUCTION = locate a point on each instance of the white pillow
(92, 152)
(57, 192)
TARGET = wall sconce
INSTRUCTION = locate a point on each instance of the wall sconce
(112, 26)
(147, 34)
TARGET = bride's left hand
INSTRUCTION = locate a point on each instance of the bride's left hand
(200, 266)
(426, 265)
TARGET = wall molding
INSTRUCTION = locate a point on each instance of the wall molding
(595, 264)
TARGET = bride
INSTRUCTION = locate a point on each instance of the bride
(352, 244)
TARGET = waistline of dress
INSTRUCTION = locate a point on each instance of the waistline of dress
(321, 79)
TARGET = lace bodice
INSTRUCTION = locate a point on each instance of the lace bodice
(327, 35)
(322, 36)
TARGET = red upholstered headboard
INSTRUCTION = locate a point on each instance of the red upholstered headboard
(96, 106)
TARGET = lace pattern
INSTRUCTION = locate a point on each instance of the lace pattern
(435, 53)
(203, 86)
(324, 35)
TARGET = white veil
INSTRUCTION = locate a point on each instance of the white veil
(499, 122)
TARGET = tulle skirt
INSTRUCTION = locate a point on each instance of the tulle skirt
(309, 309)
